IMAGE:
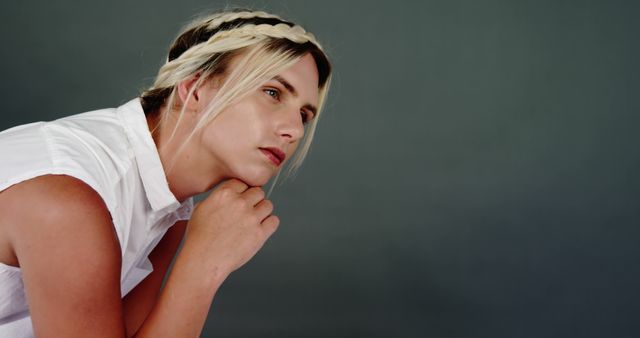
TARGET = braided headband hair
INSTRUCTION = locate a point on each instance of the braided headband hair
(208, 44)
(210, 37)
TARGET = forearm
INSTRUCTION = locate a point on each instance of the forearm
(138, 303)
(184, 302)
(224, 232)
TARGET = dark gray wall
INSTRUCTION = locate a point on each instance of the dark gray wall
(475, 173)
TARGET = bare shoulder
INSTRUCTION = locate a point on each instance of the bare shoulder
(62, 235)
(55, 195)
(60, 206)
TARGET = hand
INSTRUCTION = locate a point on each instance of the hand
(231, 225)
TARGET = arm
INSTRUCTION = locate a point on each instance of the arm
(138, 302)
(69, 255)
(142, 299)
(224, 232)
(184, 302)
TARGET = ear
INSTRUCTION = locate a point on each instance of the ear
(184, 87)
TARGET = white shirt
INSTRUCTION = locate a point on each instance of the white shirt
(113, 152)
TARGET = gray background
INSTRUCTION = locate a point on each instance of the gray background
(475, 173)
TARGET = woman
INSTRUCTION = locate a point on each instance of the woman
(94, 206)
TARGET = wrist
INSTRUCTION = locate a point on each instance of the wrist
(201, 263)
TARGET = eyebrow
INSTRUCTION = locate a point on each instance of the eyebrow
(293, 92)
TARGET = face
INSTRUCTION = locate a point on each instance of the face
(252, 139)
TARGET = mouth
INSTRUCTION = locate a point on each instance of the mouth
(276, 155)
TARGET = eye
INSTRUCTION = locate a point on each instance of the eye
(306, 116)
(274, 93)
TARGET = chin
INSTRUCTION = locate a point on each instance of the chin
(256, 179)
(255, 182)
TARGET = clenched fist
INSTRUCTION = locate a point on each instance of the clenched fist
(231, 225)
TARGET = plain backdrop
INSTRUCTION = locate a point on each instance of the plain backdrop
(475, 173)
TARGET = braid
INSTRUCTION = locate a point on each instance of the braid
(206, 41)
(279, 31)
(202, 32)
(216, 21)
(193, 58)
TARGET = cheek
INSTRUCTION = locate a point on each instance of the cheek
(236, 130)
(220, 137)
(233, 122)
(244, 119)
(291, 150)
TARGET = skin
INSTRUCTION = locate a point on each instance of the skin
(268, 117)
(226, 229)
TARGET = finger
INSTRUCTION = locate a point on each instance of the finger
(253, 195)
(264, 209)
(270, 225)
(235, 185)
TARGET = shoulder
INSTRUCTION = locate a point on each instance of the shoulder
(68, 253)
(51, 199)
(99, 134)
(54, 195)
(51, 212)
(92, 146)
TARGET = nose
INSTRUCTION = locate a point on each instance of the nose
(290, 126)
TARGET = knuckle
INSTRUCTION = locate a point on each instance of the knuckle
(232, 181)
(224, 191)
(275, 223)
(268, 204)
(243, 203)
(275, 220)
(257, 219)
(260, 192)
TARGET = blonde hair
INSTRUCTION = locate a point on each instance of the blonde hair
(268, 45)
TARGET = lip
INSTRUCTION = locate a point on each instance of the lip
(276, 155)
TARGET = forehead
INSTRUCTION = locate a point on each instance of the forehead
(303, 76)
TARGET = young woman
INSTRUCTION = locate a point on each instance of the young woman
(93, 206)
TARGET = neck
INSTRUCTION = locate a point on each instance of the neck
(188, 172)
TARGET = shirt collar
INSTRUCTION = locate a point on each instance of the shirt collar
(144, 148)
